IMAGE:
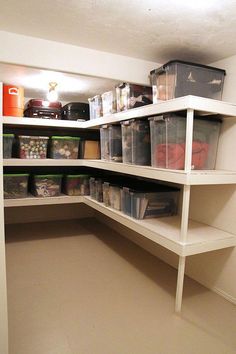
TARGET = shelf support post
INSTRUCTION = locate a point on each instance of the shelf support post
(188, 140)
(180, 284)
(185, 214)
(3, 283)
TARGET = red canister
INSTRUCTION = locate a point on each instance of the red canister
(13, 101)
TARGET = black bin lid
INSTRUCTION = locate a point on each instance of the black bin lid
(176, 61)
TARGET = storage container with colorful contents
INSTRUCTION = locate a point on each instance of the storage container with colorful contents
(78, 111)
(136, 142)
(7, 145)
(131, 96)
(168, 134)
(64, 147)
(178, 78)
(154, 204)
(109, 102)
(111, 144)
(33, 147)
(13, 101)
(76, 185)
(47, 185)
(95, 107)
(15, 185)
(37, 108)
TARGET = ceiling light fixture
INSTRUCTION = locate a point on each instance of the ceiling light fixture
(52, 94)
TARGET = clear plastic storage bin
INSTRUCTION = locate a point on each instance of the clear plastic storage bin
(105, 193)
(64, 147)
(15, 185)
(178, 78)
(47, 185)
(92, 187)
(33, 147)
(125, 193)
(108, 103)
(76, 185)
(154, 204)
(95, 107)
(114, 194)
(168, 134)
(111, 145)
(136, 142)
(131, 96)
(7, 145)
(98, 190)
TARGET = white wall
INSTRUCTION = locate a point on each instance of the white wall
(216, 205)
(44, 54)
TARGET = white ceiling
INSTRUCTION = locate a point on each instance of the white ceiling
(70, 87)
(156, 30)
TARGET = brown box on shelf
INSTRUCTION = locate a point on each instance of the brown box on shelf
(90, 149)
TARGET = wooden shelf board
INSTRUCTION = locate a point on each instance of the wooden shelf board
(200, 104)
(42, 162)
(31, 201)
(166, 231)
(173, 176)
(39, 122)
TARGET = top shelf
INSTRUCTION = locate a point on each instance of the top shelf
(199, 104)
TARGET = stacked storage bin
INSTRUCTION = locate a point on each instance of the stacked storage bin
(168, 134)
(179, 78)
(111, 145)
(136, 142)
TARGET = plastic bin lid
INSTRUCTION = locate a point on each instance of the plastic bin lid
(210, 118)
(75, 105)
(156, 71)
(16, 175)
(47, 176)
(8, 135)
(65, 138)
(76, 176)
(33, 137)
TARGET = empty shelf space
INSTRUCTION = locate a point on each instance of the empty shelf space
(166, 231)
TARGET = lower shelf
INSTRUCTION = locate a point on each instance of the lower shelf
(166, 231)
(163, 231)
(63, 199)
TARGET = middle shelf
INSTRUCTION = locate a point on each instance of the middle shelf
(196, 177)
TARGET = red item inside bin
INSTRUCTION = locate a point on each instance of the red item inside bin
(172, 155)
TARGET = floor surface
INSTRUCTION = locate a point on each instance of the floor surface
(80, 288)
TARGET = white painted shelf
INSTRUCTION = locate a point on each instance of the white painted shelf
(174, 176)
(166, 231)
(31, 201)
(163, 231)
(42, 162)
(38, 122)
(199, 104)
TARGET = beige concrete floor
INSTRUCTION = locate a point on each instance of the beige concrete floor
(80, 288)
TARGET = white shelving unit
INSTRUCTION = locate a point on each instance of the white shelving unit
(178, 234)
(31, 201)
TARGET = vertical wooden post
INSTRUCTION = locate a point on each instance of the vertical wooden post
(3, 286)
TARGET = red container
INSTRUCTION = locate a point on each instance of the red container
(13, 101)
